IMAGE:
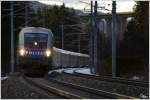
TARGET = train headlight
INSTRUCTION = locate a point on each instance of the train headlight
(48, 53)
(22, 52)
(35, 43)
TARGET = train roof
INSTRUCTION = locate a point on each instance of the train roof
(26, 29)
(69, 52)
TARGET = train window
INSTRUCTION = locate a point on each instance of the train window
(39, 38)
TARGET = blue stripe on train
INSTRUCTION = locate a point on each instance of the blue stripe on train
(34, 53)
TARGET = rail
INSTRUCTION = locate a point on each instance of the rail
(50, 89)
(118, 80)
(106, 94)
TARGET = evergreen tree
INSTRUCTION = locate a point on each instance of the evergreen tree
(141, 17)
(135, 45)
(55, 17)
(19, 22)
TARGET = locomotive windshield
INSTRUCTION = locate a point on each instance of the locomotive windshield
(35, 40)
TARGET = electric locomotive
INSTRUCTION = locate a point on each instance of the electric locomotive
(34, 54)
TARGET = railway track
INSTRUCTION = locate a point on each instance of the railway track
(133, 90)
(115, 80)
(98, 92)
(42, 84)
(73, 91)
(66, 90)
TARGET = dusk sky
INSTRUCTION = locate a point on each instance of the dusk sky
(122, 5)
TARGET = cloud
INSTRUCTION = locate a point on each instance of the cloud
(125, 6)
(122, 5)
(51, 2)
(70, 1)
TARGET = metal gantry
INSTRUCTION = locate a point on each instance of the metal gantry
(12, 36)
(95, 38)
(114, 34)
(91, 41)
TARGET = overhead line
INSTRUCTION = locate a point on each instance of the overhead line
(15, 11)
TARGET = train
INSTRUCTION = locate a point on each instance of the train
(64, 58)
(37, 55)
(34, 54)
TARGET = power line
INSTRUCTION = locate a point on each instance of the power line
(102, 7)
(77, 33)
(77, 24)
(72, 19)
(23, 24)
(26, 15)
(15, 11)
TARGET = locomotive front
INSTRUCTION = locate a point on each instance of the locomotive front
(35, 50)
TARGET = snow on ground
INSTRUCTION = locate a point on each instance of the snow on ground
(84, 71)
(57, 70)
(143, 96)
(3, 78)
(71, 70)
(137, 78)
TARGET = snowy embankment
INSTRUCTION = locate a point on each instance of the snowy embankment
(85, 71)
(71, 70)
(4, 78)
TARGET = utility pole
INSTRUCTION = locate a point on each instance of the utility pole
(91, 41)
(79, 42)
(62, 36)
(12, 36)
(95, 37)
(62, 41)
(26, 14)
(44, 15)
(114, 34)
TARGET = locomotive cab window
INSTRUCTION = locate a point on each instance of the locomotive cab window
(35, 40)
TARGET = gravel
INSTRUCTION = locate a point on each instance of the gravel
(70, 89)
(15, 88)
(107, 86)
